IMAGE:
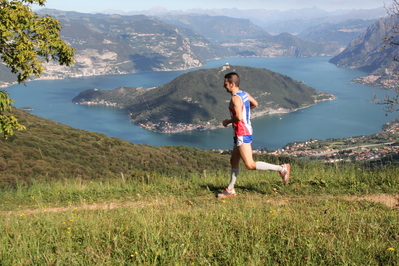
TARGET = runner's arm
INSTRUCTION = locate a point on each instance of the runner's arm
(253, 102)
(236, 104)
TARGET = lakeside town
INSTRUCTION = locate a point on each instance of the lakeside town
(166, 127)
(358, 148)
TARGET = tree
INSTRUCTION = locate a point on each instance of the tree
(27, 42)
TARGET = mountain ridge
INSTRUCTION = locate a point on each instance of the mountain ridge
(275, 22)
(370, 53)
(116, 44)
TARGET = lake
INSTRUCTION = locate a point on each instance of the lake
(351, 114)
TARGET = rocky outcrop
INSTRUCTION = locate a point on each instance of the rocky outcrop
(372, 53)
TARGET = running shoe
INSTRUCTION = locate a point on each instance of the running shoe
(227, 193)
(285, 173)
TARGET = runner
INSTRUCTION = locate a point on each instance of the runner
(240, 107)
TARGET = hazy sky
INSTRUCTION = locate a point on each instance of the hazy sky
(89, 6)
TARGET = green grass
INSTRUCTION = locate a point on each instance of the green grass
(323, 217)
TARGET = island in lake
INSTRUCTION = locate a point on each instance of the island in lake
(198, 101)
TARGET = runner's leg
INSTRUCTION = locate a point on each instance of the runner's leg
(247, 157)
(235, 166)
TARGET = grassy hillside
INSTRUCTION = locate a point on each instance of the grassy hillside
(52, 151)
(64, 201)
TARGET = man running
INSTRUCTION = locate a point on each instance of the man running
(240, 107)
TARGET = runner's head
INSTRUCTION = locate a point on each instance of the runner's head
(232, 77)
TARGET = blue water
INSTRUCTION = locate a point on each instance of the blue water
(351, 114)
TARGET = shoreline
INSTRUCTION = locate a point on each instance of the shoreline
(173, 128)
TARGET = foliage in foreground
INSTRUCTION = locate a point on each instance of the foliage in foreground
(27, 41)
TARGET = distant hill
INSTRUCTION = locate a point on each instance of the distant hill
(197, 100)
(340, 33)
(369, 52)
(291, 21)
(282, 45)
(297, 21)
(216, 28)
(243, 38)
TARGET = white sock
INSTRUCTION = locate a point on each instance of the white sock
(268, 166)
(234, 174)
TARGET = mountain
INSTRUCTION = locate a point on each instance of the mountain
(271, 20)
(370, 53)
(292, 21)
(340, 33)
(243, 38)
(216, 28)
(297, 21)
(282, 45)
(198, 101)
(116, 44)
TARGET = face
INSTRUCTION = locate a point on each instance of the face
(227, 85)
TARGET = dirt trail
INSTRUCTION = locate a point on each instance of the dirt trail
(388, 200)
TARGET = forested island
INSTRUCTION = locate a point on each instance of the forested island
(198, 101)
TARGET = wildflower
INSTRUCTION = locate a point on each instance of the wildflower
(391, 249)
(223, 201)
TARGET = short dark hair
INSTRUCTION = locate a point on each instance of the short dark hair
(233, 77)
